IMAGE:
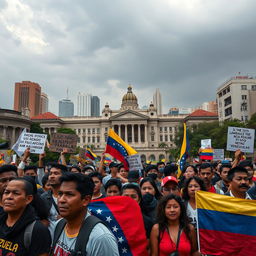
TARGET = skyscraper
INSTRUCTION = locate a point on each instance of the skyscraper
(95, 106)
(44, 103)
(27, 98)
(66, 108)
(84, 102)
(157, 100)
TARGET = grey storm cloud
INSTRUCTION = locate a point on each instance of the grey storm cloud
(187, 48)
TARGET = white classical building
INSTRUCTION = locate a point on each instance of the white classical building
(152, 135)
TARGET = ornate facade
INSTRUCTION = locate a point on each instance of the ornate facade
(150, 134)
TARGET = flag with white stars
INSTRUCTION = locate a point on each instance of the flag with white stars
(123, 217)
(119, 149)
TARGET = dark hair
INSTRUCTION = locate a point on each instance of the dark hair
(30, 167)
(76, 167)
(95, 174)
(162, 219)
(192, 166)
(28, 187)
(8, 168)
(246, 163)
(120, 166)
(215, 164)
(133, 186)
(62, 167)
(45, 179)
(38, 203)
(234, 170)
(84, 184)
(91, 167)
(159, 163)
(205, 165)
(148, 179)
(150, 167)
(170, 169)
(113, 182)
(200, 182)
(225, 166)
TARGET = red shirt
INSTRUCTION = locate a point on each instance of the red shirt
(212, 189)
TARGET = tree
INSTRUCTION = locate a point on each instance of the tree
(36, 128)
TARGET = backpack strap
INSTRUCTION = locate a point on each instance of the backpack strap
(84, 233)
(28, 234)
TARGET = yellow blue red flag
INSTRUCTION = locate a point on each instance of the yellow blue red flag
(226, 225)
(90, 154)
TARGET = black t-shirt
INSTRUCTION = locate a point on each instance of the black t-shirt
(40, 242)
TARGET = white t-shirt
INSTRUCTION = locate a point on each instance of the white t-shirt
(191, 213)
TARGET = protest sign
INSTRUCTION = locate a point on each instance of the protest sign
(59, 141)
(240, 138)
(134, 162)
(218, 154)
(34, 141)
(207, 143)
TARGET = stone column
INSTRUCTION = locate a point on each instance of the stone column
(4, 132)
(146, 133)
(13, 136)
(139, 138)
(126, 133)
(119, 130)
(133, 140)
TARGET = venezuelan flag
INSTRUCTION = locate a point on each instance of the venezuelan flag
(226, 225)
(90, 154)
(206, 154)
(184, 151)
(117, 148)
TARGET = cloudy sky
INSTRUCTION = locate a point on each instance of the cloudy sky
(187, 48)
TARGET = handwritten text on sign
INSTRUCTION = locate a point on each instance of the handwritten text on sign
(134, 162)
(240, 138)
(34, 141)
(59, 141)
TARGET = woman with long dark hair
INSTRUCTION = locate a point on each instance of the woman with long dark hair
(172, 235)
(192, 185)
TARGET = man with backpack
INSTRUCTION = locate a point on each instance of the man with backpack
(80, 233)
(20, 231)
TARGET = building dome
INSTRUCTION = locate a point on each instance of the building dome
(129, 100)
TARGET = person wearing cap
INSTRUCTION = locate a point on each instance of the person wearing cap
(133, 177)
(88, 169)
(113, 174)
(169, 185)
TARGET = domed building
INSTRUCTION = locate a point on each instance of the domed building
(149, 133)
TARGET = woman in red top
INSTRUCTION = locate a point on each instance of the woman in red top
(172, 232)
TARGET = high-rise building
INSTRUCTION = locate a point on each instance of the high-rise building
(210, 106)
(157, 101)
(95, 106)
(84, 104)
(66, 108)
(27, 98)
(236, 98)
(44, 103)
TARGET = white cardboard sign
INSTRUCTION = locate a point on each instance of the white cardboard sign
(240, 138)
(207, 143)
(134, 162)
(218, 154)
(34, 141)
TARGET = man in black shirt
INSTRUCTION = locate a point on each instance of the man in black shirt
(17, 217)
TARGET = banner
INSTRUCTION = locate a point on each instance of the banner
(59, 141)
(134, 162)
(218, 154)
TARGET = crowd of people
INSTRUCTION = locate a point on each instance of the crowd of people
(44, 208)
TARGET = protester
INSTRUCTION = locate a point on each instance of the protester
(170, 170)
(7, 173)
(223, 184)
(239, 183)
(192, 185)
(113, 187)
(50, 197)
(97, 180)
(18, 218)
(172, 233)
(113, 173)
(45, 182)
(73, 198)
(75, 169)
(88, 169)
(190, 171)
(249, 167)
(134, 177)
(169, 185)
(122, 171)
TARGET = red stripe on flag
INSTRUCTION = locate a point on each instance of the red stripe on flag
(116, 154)
(225, 243)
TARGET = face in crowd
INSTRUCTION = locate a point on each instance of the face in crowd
(54, 177)
(239, 183)
(123, 172)
(132, 193)
(189, 172)
(147, 188)
(206, 175)
(6, 175)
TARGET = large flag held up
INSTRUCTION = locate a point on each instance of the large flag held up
(206, 154)
(90, 154)
(226, 225)
(117, 148)
(123, 217)
(184, 151)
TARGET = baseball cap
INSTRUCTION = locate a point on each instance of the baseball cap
(168, 179)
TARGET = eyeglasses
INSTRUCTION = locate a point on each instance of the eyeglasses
(6, 179)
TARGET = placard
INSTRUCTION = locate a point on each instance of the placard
(34, 141)
(134, 162)
(240, 138)
(218, 154)
(59, 141)
(207, 143)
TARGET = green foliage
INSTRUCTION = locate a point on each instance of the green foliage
(36, 128)
(66, 130)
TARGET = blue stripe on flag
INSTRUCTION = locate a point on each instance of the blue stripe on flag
(114, 144)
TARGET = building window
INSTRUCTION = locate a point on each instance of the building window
(83, 139)
(166, 137)
(171, 137)
(98, 139)
(152, 137)
(254, 87)
(93, 130)
(220, 94)
(78, 139)
(89, 139)
(243, 87)
(244, 97)
(244, 106)
(152, 128)
(106, 129)
(161, 138)
(227, 101)
(79, 131)
(161, 129)
(93, 139)
(246, 118)
(224, 92)
(170, 129)
(228, 89)
(89, 131)
(165, 129)
(228, 111)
